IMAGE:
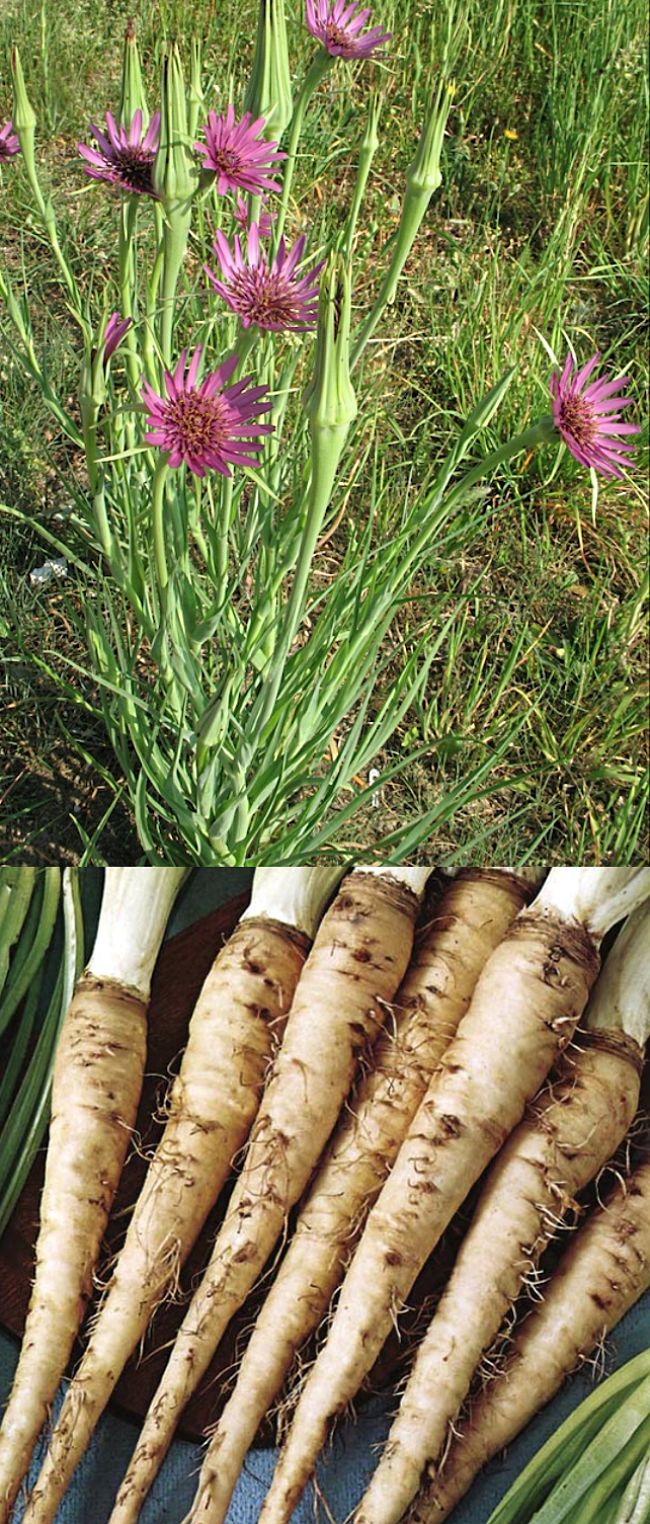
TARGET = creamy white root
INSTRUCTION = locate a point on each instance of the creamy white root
(601, 1275)
(569, 1132)
(357, 962)
(95, 1093)
(237, 1021)
(523, 1013)
(460, 927)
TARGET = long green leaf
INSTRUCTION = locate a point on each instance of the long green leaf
(567, 1444)
(35, 938)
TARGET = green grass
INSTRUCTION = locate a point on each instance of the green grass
(545, 232)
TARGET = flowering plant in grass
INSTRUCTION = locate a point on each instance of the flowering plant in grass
(222, 426)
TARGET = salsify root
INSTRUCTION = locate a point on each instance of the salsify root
(238, 1019)
(523, 1013)
(96, 1088)
(570, 1130)
(461, 927)
(601, 1275)
(357, 962)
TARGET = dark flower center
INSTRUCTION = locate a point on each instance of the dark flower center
(263, 297)
(578, 420)
(227, 161)
(135, 167)
(200, 423)
(336, 36)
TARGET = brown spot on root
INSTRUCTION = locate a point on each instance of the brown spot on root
(599, 1301)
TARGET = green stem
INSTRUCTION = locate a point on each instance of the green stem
(175, 235)
(404, 240)
(367, 153)
(148, 345)
(158, 525)
(246, 340)
(538, 433)
(325, 461)
(127, 276)
(317, 69)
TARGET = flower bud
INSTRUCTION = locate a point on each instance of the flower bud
(423, 176)
(269, 88)
(174, 171)
(133, 97)
(24, 116)
(329, 398)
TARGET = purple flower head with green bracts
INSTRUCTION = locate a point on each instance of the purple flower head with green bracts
(114, 332)
(211, 426)
(339, 26)
(274, 296)
(123, 156)
(237, 156)
(9, 145)
(265, 219)
(588, 417)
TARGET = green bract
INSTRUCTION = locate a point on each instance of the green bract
(269, 88)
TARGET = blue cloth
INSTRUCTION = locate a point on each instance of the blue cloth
(342, 1477)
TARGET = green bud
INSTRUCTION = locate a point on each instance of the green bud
(24, 116)
(423, 175)
(174, 171)
(133, 97)
(422, 178)
(269, 87)
(175, 181)
(329, 398)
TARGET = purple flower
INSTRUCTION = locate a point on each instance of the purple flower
(9, 145)
(114, 332)
(274, 296)
(211, 426)
(338, 26)
(587, 417)
(123, 157)
(265, 219)
(239, 159)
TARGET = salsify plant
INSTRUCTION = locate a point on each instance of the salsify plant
(244, 688)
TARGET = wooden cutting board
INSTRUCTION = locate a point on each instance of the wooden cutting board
(182, 966)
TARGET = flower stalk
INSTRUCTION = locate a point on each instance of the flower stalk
(423, 178)
(331, 406)
(319, 67)
(367, 151)
(174, 183)
(24, 121)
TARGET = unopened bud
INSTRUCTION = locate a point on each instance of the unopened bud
(329, 398)
(269, 88)
(24, 116)
(174, 170)
(133, 97)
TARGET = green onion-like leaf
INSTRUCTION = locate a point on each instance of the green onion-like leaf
(552, 1486)
(34, 940)
(29, 1116)
(16, 885)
